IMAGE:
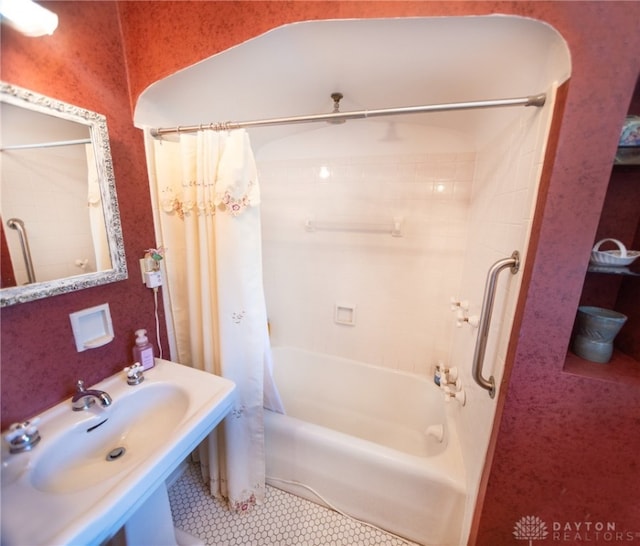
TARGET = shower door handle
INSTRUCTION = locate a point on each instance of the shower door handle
(512, 262)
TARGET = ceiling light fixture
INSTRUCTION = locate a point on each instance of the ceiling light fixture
(28, 17)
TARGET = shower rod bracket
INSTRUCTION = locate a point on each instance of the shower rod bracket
(337, 97)
(537, 100)
(337, 120)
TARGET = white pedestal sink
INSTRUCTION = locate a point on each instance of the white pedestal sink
(99, 469)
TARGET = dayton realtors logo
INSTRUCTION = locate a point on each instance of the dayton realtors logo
(532, 528)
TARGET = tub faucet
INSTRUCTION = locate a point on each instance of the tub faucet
(83, 399)
(440, 375)
(444, 376)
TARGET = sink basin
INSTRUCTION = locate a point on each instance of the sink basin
(93, 468)
(121, 437)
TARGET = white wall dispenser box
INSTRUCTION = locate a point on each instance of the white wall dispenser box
(92, 327)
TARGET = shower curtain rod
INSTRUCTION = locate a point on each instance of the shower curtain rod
(46, 144)
(337, 117)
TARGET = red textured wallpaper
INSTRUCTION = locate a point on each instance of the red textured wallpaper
(566, 447)
(82, 63)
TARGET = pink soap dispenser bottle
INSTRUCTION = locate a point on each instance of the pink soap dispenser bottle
(143, 350)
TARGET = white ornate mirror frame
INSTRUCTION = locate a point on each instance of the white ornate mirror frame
(99, 136)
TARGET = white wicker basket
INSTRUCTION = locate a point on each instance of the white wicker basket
(620, 257)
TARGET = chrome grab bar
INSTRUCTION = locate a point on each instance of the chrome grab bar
(18, 225)
(485, 319)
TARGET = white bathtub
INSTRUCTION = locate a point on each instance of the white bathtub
(356, 434)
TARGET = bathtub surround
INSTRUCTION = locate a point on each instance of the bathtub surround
(308, 273)
(506, 184)
(206, 203)
(465, 204)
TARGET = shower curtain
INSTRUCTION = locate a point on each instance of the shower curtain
(206, 210)
(96, 213)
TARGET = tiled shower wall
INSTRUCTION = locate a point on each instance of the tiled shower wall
(398, 287)
(462, 212)
(508, 169)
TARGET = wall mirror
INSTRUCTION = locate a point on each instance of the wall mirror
(60, 223)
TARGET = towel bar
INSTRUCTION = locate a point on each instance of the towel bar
(394, 227)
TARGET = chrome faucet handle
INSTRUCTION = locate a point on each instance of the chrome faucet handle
(23, 436)
(460, 396)
(462, 317)
(135, 374)
(457, 304)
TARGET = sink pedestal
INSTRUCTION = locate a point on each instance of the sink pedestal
(152, 523)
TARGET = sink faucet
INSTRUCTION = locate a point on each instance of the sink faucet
(83, 399)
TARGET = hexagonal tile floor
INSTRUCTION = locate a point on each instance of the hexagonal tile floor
(283, 520)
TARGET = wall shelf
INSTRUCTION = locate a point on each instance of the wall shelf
(628, 152)
(608, 270)
(617, 288)
(621, 369)
(627, 156)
